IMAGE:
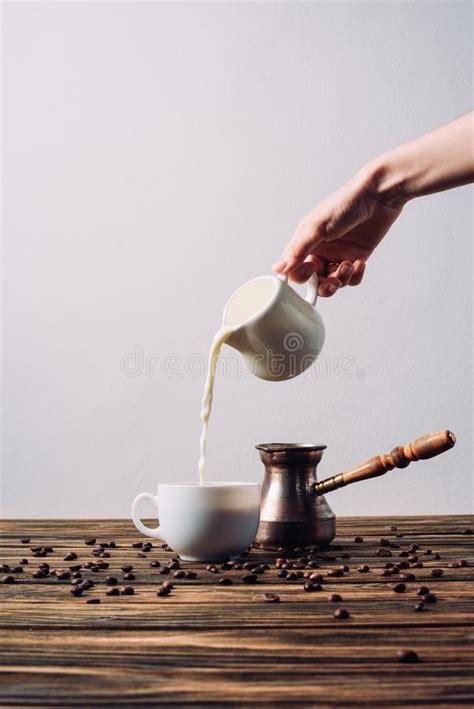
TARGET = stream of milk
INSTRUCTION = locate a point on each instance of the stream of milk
(206, 407)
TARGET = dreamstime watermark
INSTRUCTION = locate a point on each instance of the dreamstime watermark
(277, 365)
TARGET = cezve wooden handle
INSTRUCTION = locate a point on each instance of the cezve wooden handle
(401, 456)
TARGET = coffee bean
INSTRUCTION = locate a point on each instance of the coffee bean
(174, 564)
(88, 583)
(358, 540)
(412, 559)
(383, 552)
(345, 568)
(341, 614)
(112, 591)
(127, 591)
(40, 574)
(93, 600)
(407, 656)
(403, 565)
(155, 564)
(76, 582)
(403, 553)
(313, 565)
(436, 556)
(164, 571)
(407, 577)
(462, 562)
(5, 569)
(393, 528)
(399, 588)
(179, 574)
(137, 545)
(384, 543)
(212, 568)
(386, 572)
(129, 577)
(282, 574)
(422, 591)
(363, 569)
(437, 572)
(17, 570)
(111, 580)
(316, 577)
(226, 581)
(399, 535)
(96, 552)
(168, 584)
(8, 579)
(420, 607)
(312, 587)
(23, 561)
(141, 556)
(291, 576)
(249, 565)
(71, 556)
(429, 598)
(417, 565)
(272, 598)
(25, 540)
(76, 567)
(104, 555)
(163, 592)
(467, 531)
(249, 578)
(63, 575)
(335, 573)
(77, 590)
(90, 542)
(335, 598)
(388, 565)
(88, 565)
(191, 575)
(395, 570)
(345, 556)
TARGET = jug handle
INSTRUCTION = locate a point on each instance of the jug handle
(312, 290)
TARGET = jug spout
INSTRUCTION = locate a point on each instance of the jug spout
(291, 514)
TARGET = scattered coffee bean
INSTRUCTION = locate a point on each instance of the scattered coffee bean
(180, 574)
(191, 575)
(383, 552)
(291, 576)
(141, 556)
(403, 565)
(282, 573)
(429, 598)
(341, 614)
(164, 571)
(437, 572)
(316, 577)
(384, 543)
(25, 540)
(312, 587)
(163, 591)
(93, 600)
(422, 591)
(71, 556)
(8, 579)
(137, 545)
(127, 590)
(17, 570)
(88, 583)
(227, 566)
(363, 569)
(154, 564)
(63, 575)
(412, 559)
(403, 553)
(399, 588)
(112, 591)
(76, 567)
(335, 573)
(272, 598)
(111, 580)
(419, 607)
(436, 556)
(408, 577)
(77, 590)
(250, 578)
(104, 555)
(40, 574)
(467, 531)
(88, 565)
(226, 581)
(393, 528)
(358, 540)
(335, 598)
(23, 561)
(129, 577)
(127, 568)
(407, 656)
(168, 584)
(76, 582)
(5, 569)
(90, 541)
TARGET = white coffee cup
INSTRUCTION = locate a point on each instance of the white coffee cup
(279, 333)
(211, 522)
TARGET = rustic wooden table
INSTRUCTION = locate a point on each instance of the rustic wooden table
(211, 645)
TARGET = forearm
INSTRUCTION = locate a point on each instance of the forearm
(437, 161)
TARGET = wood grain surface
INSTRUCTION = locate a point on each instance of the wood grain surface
(211, 645)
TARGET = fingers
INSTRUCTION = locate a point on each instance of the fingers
(331, 276)
(307, 235)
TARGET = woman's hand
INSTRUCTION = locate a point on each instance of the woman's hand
(337, 237)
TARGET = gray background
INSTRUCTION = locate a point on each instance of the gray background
(155, 157)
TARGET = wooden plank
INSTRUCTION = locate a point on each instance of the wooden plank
(208, 645)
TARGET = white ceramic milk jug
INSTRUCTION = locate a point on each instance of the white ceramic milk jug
(279, 333)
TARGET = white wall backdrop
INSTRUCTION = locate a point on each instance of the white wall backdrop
(158, 155)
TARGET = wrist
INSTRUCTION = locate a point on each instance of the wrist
(390, 178)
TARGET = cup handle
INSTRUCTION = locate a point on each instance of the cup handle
(147, 531)
(312, 290)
